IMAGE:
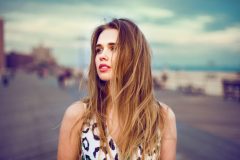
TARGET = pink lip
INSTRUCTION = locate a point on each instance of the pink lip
(104, 67)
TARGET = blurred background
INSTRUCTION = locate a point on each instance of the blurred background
(45, 53)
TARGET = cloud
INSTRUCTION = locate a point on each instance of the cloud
(67, 28)
(189, 34)
(60, 24)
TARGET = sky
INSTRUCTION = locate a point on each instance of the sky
(181, 33)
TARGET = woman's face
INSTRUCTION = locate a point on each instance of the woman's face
(106, 53)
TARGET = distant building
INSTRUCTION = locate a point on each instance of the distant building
(16, 60)
(2, 55)
(42, 55)
(44, 62)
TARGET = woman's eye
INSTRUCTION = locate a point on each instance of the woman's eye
(112, 48)
(98, 50)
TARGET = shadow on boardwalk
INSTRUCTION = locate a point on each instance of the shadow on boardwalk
(31, 111)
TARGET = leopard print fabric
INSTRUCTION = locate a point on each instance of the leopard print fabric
(91, 148)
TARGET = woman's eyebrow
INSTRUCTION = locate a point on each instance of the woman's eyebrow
(111, 44)
(98, 45)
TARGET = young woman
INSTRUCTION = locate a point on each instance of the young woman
(120, 118)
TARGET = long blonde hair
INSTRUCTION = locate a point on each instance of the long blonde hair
(140, 118)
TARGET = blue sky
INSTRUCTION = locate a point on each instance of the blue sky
(180, 32)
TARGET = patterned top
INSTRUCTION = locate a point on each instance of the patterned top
(91, 148)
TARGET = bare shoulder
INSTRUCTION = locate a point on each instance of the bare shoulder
(69, 131)
(169, 134)
(75, 110)
(72, 116)
(168, 111)
(73, 113)
(170, 131)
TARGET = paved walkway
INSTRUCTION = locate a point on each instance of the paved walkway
(208, 126)
(31, 110)
(30, 113)
(207, 113)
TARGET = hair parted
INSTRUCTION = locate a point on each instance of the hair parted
(141, 119)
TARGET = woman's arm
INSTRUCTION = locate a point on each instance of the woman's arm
(169, 139)
(68, 146)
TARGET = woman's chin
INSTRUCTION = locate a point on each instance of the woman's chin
(104, 78)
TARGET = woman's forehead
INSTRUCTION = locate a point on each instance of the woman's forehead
(107, 36)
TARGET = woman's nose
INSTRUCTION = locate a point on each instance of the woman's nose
(104, 55)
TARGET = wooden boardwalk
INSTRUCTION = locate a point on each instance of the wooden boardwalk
(31, 110)
(30, 114)
(208, 127)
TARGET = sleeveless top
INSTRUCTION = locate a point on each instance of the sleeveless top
(91, 149)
